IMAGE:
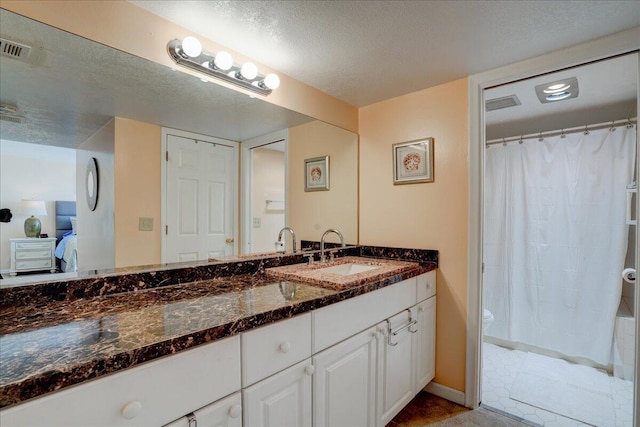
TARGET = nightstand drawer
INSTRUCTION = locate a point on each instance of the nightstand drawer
(33, 254)
(28, 265)
(32, 245)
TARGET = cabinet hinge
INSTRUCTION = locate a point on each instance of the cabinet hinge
(166, 156)
(166, 229)
(483, 268)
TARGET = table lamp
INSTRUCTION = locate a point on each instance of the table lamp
(32, 225)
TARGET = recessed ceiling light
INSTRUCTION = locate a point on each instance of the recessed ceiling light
(561, 87)
(558, 90)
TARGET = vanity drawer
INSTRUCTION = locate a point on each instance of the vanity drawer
(426, 285)
(342, 320)
(272, 348)
(151, 394)
(33, 254)
(39, 263)
(33, 245)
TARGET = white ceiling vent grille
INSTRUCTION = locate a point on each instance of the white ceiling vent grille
(14, 50)
(500, 103)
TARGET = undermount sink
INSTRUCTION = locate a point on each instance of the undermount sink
(347, 269)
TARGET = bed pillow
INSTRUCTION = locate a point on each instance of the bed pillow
(73, 224)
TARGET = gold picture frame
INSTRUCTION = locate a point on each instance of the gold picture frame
(413, 161)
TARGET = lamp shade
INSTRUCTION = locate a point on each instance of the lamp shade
(33, 207)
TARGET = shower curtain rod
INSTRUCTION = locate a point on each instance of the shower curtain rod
(586, 128)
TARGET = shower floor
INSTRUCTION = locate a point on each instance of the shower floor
(500, 370)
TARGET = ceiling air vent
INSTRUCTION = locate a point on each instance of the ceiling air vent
(14, 50)
(500, 103)
(9, 113)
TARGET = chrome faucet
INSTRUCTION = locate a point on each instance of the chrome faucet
(293, 237)
(331, 230)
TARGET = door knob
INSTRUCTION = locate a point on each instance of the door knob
(229, 240)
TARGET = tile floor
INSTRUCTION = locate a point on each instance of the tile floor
(427, 409)
(500, 366)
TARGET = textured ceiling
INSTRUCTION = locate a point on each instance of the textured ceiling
(367, 51)
(70, 87)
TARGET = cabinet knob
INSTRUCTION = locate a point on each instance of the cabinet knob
(285, 347)
(235, 411)
(131, 410)
(309, 370)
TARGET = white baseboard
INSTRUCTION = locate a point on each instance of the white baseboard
(451, 394)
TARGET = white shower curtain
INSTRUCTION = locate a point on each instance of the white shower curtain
(555, 239)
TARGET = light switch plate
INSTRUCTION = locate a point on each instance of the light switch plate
(145, 224)
(257, 222)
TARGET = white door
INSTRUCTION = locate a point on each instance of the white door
(344, 387)
(397, 360)
(426, 346)
(283, 400)
(225, 412)
(200, 198)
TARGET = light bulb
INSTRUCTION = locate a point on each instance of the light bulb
(249, 71)
(272, 81)
(223, 60)
(191, 46)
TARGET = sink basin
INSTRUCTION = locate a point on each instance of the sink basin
(347, 269)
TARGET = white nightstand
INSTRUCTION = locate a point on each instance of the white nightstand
(32, 254)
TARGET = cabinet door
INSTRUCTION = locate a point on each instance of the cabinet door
(397, 361)
(283, 400)
(345, 383)
(426, 347)
(225, 412)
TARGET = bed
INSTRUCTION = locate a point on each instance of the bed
(67, 240)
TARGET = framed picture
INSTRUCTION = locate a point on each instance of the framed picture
(316, 174)
(413, 161)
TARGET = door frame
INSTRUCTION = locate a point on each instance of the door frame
(246, 177)
(165, 132)
(616, 44)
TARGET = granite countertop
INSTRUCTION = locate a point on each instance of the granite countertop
(52, 345)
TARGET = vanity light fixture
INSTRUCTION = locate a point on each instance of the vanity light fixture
(188, 53)
(558, 90)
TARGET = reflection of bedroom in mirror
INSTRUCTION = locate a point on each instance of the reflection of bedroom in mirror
(41, 172)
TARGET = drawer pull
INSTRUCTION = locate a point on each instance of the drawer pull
(235, 411)
(131, 410)
(309, 370)
(284, 347)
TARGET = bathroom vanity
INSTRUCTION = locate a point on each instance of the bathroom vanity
(247, 343)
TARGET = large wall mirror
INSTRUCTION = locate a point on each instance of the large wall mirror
(76, 99)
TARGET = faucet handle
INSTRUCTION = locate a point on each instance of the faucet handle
(332, 256)
(310, 256)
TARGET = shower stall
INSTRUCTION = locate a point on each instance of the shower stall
(557, 238)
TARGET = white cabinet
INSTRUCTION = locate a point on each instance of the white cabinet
(271, 348)
(226, 412)
(336, 322)
(32, 254)
(426, 343)
(344, 386)
(397, 353)
(151, 394)
(283, 400)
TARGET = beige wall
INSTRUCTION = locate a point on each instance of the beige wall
(268, 184)
(33, 171)
(429, 215)
(126, 27)
(137, 192)
(96, 248)
(311, 213)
